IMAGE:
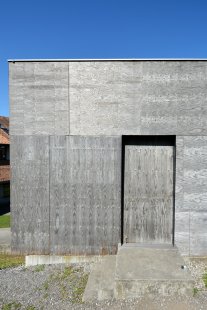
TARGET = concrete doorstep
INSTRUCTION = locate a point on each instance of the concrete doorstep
(5, 240)
(136, 271)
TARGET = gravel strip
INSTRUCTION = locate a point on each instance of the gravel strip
(59, 287)
(197, 267)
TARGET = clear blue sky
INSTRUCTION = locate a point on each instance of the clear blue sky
(99, 29)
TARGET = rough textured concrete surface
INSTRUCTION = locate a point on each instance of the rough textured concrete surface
(191, 195)
(39, 98)
(112, 98)
(85, 194)
(66, 194)
(140, 97)
(30, 194)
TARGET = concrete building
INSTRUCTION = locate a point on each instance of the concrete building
(106, 152)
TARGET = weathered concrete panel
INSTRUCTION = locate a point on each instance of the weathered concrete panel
(182, 232)
(30, 194)
(143, 97)
(85, 194)
(191, 197)
(39, 100)
(66, 194)
(109, 98)
(102, 98)
(16, 97)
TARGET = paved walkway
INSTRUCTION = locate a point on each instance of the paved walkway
(5, 239)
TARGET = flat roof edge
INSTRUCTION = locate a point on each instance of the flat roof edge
(107, 59)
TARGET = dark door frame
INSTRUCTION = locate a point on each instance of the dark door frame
(169, 140)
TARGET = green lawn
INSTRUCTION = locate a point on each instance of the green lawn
(4, 221)
(8, 260)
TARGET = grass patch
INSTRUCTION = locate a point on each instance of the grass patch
(70, 283)
(195, 291)
(16, 306)
(12, 306)
(4, 221)
(46, 285)
(60, 276)
(67, 272)
(39, 268)
(205, 279)
(79, 289)
(8, 261)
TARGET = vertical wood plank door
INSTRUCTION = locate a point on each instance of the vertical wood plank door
(148, 194)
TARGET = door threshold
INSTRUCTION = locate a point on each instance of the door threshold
(148, 245)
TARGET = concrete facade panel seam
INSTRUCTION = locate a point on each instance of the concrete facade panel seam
(69, 98)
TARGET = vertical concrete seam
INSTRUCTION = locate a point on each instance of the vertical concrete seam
(174, 191)
(189, 213)
(49, 142)
(23, 100)
(54, 107)
(189, 232)
(68, 97)
(34, 99)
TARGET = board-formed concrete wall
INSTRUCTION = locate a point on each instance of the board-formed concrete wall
(30, 193)
(191, 195)
(66, 194)
(60, 111)
(109, 98)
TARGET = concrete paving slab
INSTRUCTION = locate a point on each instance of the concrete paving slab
(150, 263)
(5, 236)
(100, 284)
(5, 239)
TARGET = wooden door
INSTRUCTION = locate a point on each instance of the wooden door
(148, 194)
